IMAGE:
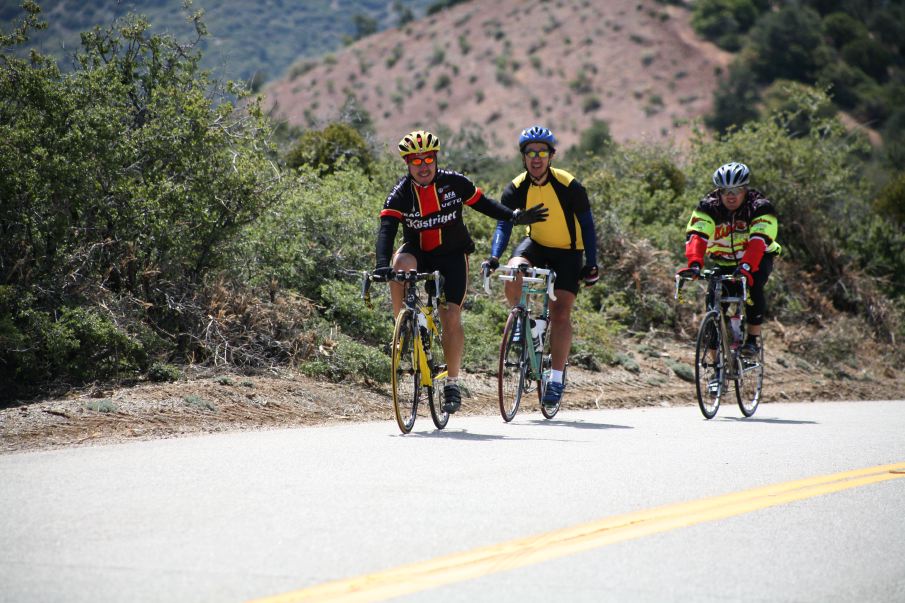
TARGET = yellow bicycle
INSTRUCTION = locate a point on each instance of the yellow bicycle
(417, 362)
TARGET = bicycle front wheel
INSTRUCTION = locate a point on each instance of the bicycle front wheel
(513, 366)
(710, 365)
(406, 374)
(750, 381)
(437, 361)
(547, 365)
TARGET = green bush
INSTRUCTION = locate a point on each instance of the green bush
(161, 372)
(347, 359)
(328, 149)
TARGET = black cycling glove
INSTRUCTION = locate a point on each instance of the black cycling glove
(538, 213)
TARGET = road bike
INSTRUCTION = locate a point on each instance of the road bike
(718, 358)
(525, 360)
(418, 365)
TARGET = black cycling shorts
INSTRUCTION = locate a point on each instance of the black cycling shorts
(565, 262)
(453, 267)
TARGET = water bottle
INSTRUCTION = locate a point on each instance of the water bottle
(736, 323)
(422, 328)
(537, 333)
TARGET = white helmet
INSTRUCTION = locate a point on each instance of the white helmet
(731, 175)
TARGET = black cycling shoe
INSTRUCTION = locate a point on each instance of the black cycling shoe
(749, 350)
(452, 397)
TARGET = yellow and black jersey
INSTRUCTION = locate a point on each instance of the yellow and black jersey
(566, 199)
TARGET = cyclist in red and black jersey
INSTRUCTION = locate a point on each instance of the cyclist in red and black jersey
(558, 243)
(736, 226)
(429, 203)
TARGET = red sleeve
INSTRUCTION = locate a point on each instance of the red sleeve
(694, 250)
(754, 252)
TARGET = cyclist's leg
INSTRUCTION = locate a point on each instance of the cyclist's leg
(754, 314)
(522, 255)
(567, 265)
(561, 327)
(454, 269)
(405, 258)
(455, 278)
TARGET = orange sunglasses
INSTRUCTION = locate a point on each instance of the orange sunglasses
(418, 160)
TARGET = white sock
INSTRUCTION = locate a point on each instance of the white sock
(452, 380)
(556, 376)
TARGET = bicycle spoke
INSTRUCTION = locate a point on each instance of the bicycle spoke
(749, 386)
(513, 365)
(405, 373)
(710, 366)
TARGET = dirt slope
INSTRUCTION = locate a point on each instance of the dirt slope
(208, 403)
(507, 64)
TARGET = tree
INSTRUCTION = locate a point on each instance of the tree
(724, 21)
(122, 183)
(787, 44)
(327, 149)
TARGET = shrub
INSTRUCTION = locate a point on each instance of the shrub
(160, 372)
(327, 149)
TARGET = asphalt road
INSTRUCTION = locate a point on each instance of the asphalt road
(611, 505)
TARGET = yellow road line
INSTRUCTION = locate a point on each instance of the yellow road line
(501, 557)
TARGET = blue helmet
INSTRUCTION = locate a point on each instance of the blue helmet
(731, 175)
(537, 134)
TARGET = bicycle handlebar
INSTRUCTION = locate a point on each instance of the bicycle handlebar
(529, 274)
(691, 275)
(399, 276)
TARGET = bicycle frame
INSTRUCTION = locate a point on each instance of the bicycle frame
(416, 325)
(531, 277)
(719, 362)
(429, 311)
(715, 290)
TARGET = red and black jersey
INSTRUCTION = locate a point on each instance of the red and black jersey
(431, 215)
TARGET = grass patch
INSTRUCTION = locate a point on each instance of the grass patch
(198, 402)
(104, 405)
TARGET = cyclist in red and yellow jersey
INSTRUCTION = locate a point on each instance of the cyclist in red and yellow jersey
(428, 202)
(557, 243)
(736, 226)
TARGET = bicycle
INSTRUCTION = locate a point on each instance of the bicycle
(717, 348)
(417, 361)
(523, 367)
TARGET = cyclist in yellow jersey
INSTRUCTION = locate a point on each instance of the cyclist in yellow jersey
(557, 243)
(736, 226)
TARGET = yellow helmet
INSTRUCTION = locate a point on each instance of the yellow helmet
(419, 141)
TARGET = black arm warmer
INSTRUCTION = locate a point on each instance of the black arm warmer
(386, 234)
(491, 208)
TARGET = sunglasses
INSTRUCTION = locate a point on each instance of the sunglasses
(732, 191)
(419, 160)
(534, 154)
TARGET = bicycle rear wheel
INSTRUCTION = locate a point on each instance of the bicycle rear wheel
(513, 366)
(406, 375)
(437, 361)
(750, 381)
(710, 365)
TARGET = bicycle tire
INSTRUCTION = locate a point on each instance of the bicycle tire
(435, 399)
(750, 381)
(546, 367)
(513, 365)
(706, 373)
(406, 374)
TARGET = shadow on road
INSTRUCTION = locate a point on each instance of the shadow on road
(461, 434)
(774, 421)
(580, 424)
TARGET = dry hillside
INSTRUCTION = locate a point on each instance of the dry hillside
(507, 64)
